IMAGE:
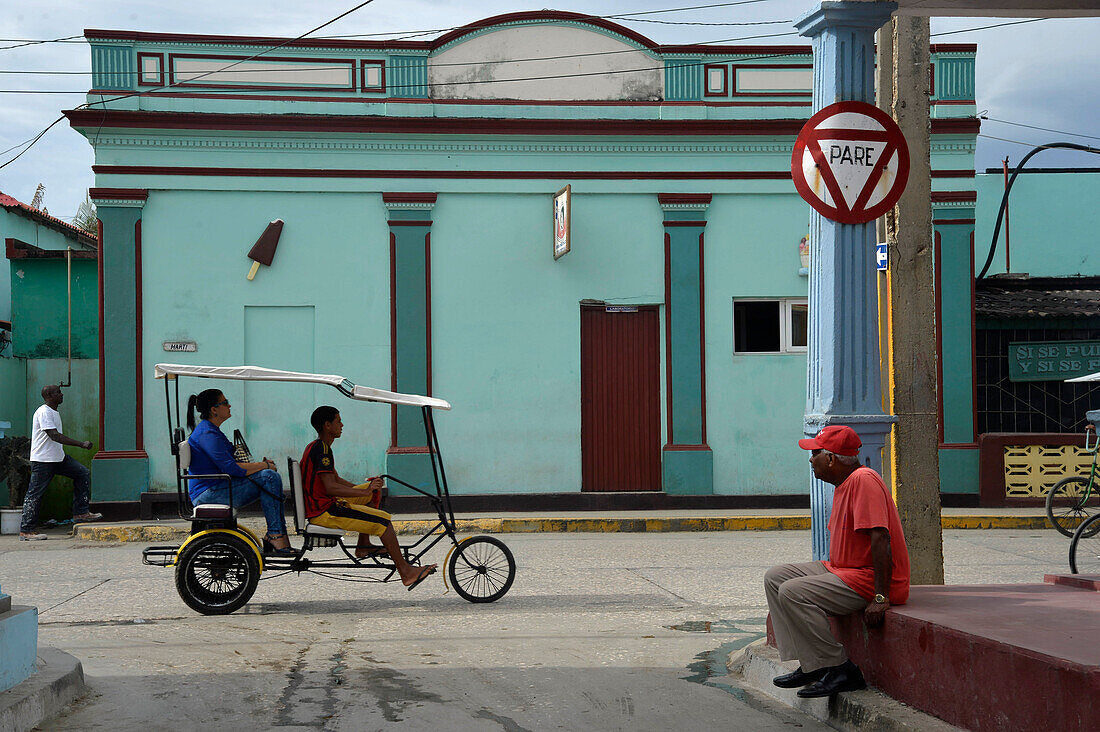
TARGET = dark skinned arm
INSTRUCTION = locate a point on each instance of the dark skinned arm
(337, 487)
(58, 437)
(883, 562)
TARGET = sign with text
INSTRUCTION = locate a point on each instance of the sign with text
(563, 205)
(850, 162)
(1052, 360)
(180, 346)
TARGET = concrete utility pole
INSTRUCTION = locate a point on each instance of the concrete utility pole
(903, 83)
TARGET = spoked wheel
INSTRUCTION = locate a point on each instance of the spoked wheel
(481, 569)
(1084, 550)
(1070, 502)
(217, 573)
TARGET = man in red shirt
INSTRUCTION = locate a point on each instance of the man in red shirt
(340, 504)
(868, 570)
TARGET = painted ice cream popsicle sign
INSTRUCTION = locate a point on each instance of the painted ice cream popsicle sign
(850, 162)
(263, 251)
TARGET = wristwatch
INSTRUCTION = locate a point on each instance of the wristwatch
(881, 600)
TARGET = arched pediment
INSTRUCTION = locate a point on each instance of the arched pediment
(547, 56)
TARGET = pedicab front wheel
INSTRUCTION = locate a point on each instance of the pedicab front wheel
(217, 573)
(481, 569)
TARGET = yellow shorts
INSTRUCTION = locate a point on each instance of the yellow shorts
(352, 514)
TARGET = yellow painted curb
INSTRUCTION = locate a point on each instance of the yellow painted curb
(161, 533)
(89, 532)
(995, 522)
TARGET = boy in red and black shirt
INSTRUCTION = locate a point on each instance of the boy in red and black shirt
(336, 503)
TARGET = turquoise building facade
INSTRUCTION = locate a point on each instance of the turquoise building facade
(35, 330)
(415, 181)
(1012, 426)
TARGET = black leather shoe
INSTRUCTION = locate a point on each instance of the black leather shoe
(798, 678)
(845, 677)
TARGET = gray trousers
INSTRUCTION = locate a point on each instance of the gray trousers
(801, 597)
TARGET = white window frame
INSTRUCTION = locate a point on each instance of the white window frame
(786, 311)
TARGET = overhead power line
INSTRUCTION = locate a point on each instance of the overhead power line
(491, 61)
(267, 50)
(487, 62)
(987, 27)
(1035, 127)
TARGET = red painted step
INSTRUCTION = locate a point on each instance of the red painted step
(1080, 581)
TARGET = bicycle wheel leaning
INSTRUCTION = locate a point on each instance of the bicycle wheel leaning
(1084, 550)
(1070, 502)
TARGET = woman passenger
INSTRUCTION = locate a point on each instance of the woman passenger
(212, 452)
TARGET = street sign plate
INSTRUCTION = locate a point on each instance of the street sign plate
(850, 162)
(881, 257)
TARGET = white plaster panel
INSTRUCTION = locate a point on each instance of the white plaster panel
(262, 72)
(760, 80)
(472, 69)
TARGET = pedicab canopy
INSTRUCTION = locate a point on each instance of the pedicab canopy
(1090, 377)
(258, 373)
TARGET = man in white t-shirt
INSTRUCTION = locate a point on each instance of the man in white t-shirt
(48, 459)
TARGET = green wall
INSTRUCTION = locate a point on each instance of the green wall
(13, 394)
(505, 323)
(79, 416)
(39, 308)
(1048, 213)
(755, 402)
(333, 256)
(17, 226)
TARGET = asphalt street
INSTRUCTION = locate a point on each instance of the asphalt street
(599, 631)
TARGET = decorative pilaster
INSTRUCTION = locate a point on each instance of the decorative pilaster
(410, 221)
(687, 464)
(843, 359)
(953, 227)
(120, 469)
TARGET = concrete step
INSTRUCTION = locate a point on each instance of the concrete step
(987, 657)
(1080, 581)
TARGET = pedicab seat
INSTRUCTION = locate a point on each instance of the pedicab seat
(301, 525)
(205, 510)
(212, 511)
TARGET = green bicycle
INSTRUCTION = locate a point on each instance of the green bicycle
(1072, 501)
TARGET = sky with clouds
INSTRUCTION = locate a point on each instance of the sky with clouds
(1041, 74)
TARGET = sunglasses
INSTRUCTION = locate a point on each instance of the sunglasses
(222, 403)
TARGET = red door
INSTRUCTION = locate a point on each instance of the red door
(620, 399)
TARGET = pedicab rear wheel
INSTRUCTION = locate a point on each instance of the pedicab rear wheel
(481, 569)
(217, 573)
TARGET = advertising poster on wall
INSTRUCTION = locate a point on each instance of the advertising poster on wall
(562, 210)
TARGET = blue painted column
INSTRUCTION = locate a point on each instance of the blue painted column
(410, 222)
(18, 642)
(843, 360)
(120, 467)
(687, 463)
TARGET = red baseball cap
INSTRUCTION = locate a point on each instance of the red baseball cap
(836, 438)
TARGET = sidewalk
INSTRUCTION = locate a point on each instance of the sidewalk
(596, 521)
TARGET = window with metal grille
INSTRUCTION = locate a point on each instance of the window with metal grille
(1029, 406)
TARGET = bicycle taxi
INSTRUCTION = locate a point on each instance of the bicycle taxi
(1082, 517)
(219, 565)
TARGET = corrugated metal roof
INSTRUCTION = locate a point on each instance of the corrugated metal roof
(1038, 297)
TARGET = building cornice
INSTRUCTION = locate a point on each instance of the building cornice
(119, 197)
(355, 124)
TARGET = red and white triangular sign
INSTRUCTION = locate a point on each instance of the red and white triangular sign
(850, 162)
